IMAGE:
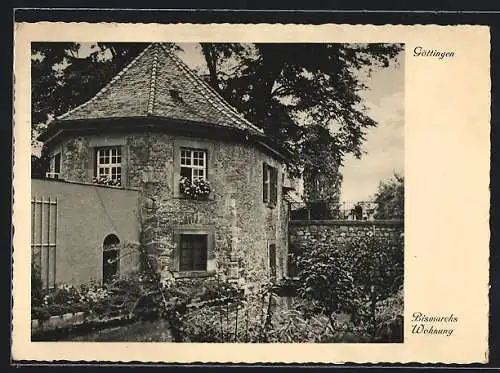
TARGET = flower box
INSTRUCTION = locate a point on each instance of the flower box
(195, 189)
(103, 180)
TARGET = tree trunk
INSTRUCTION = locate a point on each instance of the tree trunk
(268, 72)
(211, 59)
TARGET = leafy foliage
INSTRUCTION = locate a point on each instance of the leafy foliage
(351, 278)
(263, 318)
(39, 167)
(36, 285)
(62, 80)
(214, 310)
(321, 175)
(245, 322)
(281, 87)
(305, 96)
(390, 199)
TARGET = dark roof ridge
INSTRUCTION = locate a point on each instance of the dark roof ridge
(152, 90)
(233, 114)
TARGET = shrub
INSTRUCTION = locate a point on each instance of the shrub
(351, 278)
(101, 300)
(251, 320)
(63, 296)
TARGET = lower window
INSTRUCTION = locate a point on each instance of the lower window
(193, 252)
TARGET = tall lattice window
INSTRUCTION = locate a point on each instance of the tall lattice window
(269, 185)
(193, 164)
(109, 163)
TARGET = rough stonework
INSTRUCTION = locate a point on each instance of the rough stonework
(325, 232)
(242, 224)
(149, 113)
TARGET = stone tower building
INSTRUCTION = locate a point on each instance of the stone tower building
(157, 127)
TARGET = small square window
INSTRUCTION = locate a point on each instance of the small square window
(193, 252)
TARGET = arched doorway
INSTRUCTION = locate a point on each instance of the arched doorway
(110, 257)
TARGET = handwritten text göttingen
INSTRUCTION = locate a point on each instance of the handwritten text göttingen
(423, 52)
(432, 324)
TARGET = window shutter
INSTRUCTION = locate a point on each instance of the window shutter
(124, 166)
(177, 251)
(210, 246)
(272, 260)
(57, 163)
(274, 185)
(265, 197)
(92, 164)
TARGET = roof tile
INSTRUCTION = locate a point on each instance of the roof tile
(157, 83)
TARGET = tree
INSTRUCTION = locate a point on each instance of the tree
(62, 80)
(390, 198)
(287, 89)
(214, 54)
(321, 176)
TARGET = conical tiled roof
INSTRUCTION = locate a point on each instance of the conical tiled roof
(158, 84)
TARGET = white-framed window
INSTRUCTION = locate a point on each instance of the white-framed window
(109, 163)
(193, 163)
(54, 167)
(269, 185)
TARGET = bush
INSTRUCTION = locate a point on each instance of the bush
(352, 278)
(251, 320)
(101, 300)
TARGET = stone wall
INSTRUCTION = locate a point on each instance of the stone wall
(241, 224)
(326, 232)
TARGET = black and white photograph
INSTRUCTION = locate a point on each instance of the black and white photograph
(217, 192)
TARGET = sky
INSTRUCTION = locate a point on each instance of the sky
(384, 145)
